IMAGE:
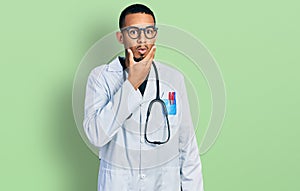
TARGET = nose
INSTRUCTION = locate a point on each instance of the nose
(142, 38)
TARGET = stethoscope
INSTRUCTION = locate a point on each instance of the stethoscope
(164, 111)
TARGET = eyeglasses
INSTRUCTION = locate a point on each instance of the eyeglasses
(135, 32)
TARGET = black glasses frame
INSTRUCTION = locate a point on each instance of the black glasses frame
(140, 30)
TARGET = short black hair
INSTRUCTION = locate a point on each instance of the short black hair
(135, 8)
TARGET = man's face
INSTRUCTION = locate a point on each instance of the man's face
(141, 45)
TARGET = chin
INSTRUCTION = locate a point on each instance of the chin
(138, 59)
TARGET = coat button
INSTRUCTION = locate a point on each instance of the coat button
(143, 176)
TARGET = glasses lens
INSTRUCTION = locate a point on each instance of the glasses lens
(133, 33)
(150, 32)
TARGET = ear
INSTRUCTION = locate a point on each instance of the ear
(119, 36)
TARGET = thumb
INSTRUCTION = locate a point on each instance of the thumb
(130, 57)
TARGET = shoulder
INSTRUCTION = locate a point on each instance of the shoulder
(105, 69)
(99, 69)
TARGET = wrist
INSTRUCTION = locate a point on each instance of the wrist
(133, 83)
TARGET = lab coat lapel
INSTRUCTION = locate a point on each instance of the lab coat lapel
(149, 94)
(150, 91)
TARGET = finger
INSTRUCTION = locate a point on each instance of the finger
(150, 56)
(151, 53)
(130, 56)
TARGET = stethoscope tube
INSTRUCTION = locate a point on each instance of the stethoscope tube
(165, 111)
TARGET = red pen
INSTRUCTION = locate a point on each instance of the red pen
(171, 97)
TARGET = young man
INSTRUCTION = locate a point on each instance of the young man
(137, 114)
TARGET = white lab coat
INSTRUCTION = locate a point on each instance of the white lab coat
(114, 121)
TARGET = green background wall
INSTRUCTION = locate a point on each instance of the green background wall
(256, 44)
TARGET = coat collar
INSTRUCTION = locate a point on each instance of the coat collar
(115, 66)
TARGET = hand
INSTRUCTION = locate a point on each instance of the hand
(138, 71)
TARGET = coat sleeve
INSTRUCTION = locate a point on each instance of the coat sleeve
(104, 113)
(190, 164)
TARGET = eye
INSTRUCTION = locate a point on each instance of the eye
(133, 32)
(150, 31)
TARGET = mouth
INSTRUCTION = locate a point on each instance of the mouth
(142, 49)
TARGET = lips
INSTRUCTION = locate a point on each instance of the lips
(142, 50)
